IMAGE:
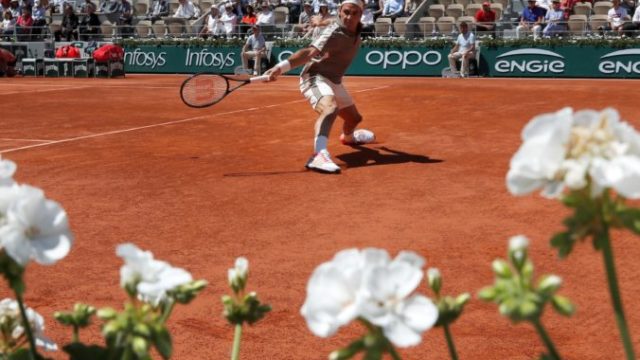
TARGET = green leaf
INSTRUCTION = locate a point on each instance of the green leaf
(563, 305)
(162, 342)
(348, 352)
(140, 346)
(79, 351)
(487, 293)
(563, 242)
(630, 219)
(501, 268)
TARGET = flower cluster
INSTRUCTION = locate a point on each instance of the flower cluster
(12, 330)
(369, 285)
(149, 279)
(31, 226)
(582, 150)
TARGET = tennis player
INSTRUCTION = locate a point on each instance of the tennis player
(325, 62)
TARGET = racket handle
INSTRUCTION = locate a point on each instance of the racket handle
(261, 78)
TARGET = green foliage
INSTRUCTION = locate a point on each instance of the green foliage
(515, 293)
(12, 272)
(245, 309)
(24, 354)
(618, 43)
(184, 294)
(192, 42)
(80, 316)
(450, 308)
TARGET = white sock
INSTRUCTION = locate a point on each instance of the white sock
(320, 143)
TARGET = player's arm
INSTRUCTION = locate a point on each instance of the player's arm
(298, 58)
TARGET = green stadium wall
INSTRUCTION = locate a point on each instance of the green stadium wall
(558, 62)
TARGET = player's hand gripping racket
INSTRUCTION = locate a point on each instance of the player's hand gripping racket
(202, 90)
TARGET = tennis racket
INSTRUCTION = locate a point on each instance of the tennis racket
(202, 90)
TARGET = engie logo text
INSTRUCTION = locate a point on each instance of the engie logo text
(530, 61)
(626, 62)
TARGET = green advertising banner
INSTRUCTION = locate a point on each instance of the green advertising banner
(178, 59)
(411, 61)
(566, 61)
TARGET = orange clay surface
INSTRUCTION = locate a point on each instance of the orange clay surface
(199, 187)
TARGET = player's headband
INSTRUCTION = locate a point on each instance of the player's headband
(358, 3)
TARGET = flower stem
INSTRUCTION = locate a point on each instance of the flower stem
(607, 253)
(76, 336)
(553, 353)
(392, 350)
(27, 327)
(235, 351)
(450, 343)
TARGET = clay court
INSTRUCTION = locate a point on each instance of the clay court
(199, 187)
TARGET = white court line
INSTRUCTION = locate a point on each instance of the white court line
(114, 132)
(34, 140)
(45, 90)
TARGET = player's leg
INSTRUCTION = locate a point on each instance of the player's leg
(321, 96)
(351, 116)
(452, 61)
(245, 59)
(465, 63)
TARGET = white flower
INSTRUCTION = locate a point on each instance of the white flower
(518, 243)
(11, 320)
(572, 150)
(152, 278)
(7, 169)
(238, 274)
(33, 227)
(369, 284)
(402, 318)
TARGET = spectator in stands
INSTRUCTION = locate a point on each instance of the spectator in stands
(629, 5)
(186, 10)
(555, 22)
(304, 20)
(248, 20)
(229, 20)
(265, 17)
(4, 5)
(531, 20)
(125, 20)
(617, 16)
(631, 28)
(369, 14)
(157, 11)
(213, 26)
(411, 6)
(486, 20)
(90, 24)
(464, 48)
(84, 8)
(24, 24)
(69, 25)
(8, 25)
(295, 8)
(319, 22)
(14, 7)
(111, 9)
(7, 62)
(38, 14)
(545, 4)
(393, 9)
(254, 49)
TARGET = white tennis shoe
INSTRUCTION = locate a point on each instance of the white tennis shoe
(322, 162)
(359, 137)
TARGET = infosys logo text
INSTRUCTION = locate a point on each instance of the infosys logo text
(545, 62)
(209, 59)
(143, 58)
(613, 64)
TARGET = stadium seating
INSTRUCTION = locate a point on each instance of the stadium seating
(472, 9)
(498, 9)
(427, 25)
(446, 2)
(107, 29)
(470, 20)
(597, 21)
(504, 3)
(143, 28)
(463, 2)
(582, 8)
(455, 10)
(602, 7)
(141, 7)
(446, 25)
(400, 26)
(382, 26)
(159, 29)
(436, 10)
(577, 24)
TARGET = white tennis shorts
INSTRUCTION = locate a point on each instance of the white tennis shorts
(315, 87)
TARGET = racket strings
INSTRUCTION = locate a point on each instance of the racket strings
(204, 90)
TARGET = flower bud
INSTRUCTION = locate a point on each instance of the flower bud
(487, 294)
(563, 305)
(461, 300)
(434, 279)
(238, 275)
(501, 268)
(549, 284)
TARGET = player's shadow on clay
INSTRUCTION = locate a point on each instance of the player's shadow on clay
(366, 156)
